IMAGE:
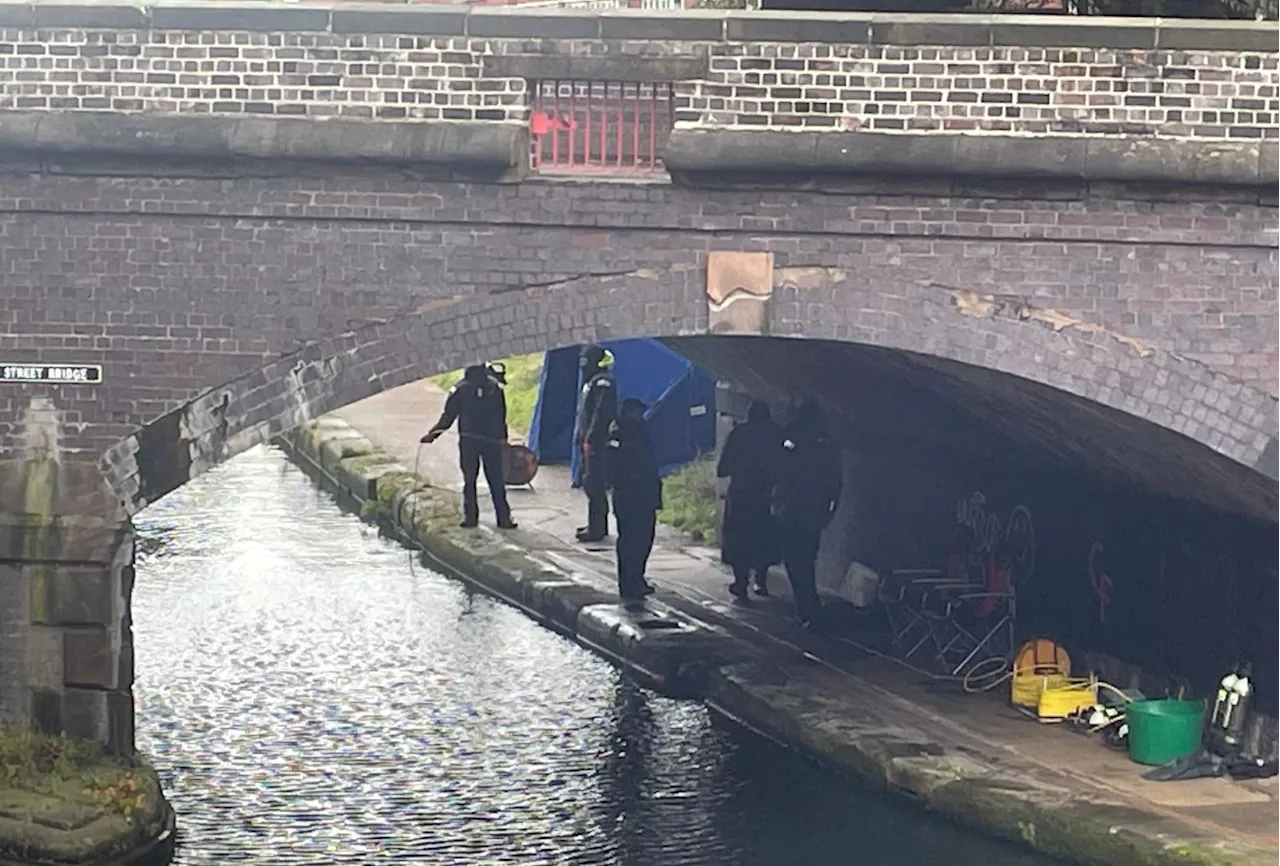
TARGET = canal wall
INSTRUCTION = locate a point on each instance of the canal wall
(853, 725)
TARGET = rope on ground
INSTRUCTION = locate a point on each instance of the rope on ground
(420, 485)
(994, 671)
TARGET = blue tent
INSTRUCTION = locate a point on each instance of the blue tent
(681, 400)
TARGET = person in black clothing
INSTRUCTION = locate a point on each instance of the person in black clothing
(806, 493)
(637, 496)
(480, 408)
(749, 460)
(596, 412)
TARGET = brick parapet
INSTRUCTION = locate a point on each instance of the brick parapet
(967, 74)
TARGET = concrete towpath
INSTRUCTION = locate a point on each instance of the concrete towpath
(691, 579)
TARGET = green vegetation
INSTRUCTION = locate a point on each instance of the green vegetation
(689, 499)
(375, 509)
(74, 772)
(524, 372)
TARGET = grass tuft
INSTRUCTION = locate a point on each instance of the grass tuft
(689, 499)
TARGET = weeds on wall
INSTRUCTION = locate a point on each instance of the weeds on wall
(74, 770)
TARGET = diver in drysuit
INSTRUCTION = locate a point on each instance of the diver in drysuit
(596, 413)
(479, 406)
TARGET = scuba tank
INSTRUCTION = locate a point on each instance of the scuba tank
(1231, 708)
(1220, 704)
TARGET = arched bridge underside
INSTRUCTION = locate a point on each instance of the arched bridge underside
(1019, 379)
(1123, 338)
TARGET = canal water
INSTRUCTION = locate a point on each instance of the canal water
(308, 698)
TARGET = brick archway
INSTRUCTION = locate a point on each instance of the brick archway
(1070, 363)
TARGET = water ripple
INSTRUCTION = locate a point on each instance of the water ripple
(309, 699)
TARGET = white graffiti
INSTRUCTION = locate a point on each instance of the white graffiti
(1013, 537)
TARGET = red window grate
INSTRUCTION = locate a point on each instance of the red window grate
(614, 127)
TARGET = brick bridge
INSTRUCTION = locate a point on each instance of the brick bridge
(1043, 243)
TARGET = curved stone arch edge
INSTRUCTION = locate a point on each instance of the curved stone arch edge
(326, 375)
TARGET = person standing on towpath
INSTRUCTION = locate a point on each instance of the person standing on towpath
(749, 460)
(596, 412)
(479, 406)
(637, 497)
(805, 496)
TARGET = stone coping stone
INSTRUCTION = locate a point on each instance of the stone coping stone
(479, 145)
(685, 26)
(1074, 158)
(499, 150)
(838, 719)
(861, 731)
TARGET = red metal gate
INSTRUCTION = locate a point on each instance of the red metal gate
(611, 127)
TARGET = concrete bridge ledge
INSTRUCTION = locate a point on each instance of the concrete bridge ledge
(684, 26)
(491, 147)
(1073, 158)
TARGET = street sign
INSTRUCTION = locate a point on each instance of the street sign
(53, 374)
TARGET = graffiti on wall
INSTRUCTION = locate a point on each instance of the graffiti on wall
(1011, 539)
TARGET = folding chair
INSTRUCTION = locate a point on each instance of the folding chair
(909, 595)
(968, 624)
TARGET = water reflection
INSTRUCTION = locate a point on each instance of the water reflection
(309, 699)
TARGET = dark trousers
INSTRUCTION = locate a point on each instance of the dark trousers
(800, 554)
(471, 454)
(634, 544)
(596, 488)
(742, 577)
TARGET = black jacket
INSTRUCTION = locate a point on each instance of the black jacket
(809, 479)
(632, 470)
(479, 408)
(750, 457)
(598, 409)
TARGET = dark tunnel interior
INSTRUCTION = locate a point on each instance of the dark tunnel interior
(976, 414)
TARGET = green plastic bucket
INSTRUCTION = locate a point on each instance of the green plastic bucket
(1163, 731)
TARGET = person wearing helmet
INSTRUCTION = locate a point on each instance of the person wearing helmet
(596, 412)
(633, 479)
(805, 497)
(479, 406)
